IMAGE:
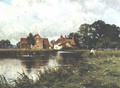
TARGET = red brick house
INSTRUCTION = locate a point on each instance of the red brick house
(40, 43)
(23, 43)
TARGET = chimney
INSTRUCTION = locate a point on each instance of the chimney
(61, 36)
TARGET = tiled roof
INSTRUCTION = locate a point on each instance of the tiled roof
(63, 40)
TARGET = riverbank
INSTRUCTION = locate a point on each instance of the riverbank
(86, 73)
(42, 52)
(101, 71)
(25, 52)
(36, 53)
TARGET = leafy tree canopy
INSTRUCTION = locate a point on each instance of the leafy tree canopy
(98, 35)
(5, 43)
(30, 39)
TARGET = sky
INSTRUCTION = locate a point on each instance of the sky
(52, 18)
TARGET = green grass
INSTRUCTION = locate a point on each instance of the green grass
(108, 70)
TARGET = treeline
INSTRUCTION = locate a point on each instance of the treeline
(5, 44)
(97, 35)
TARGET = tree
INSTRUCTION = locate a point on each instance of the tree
(108, 35)
(30, 40)
(5, 44)
(2, 43)
(98, 34)
(87, 35)
(71, 35)
(18, 45)
(77, 39)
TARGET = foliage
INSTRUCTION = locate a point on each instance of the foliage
(76, 39)
(99, 35)
(30, 39)
(71, 35)
(5, 44)
(4, 83)
(18, 45)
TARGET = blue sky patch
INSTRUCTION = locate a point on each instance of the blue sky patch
(6, 1)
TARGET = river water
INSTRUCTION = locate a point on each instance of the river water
(31, 66)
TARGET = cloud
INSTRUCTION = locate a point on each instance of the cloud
(52, 18)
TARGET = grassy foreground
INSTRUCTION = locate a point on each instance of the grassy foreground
(97, 72)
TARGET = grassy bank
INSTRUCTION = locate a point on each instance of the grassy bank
(100, 53)
(101, 71)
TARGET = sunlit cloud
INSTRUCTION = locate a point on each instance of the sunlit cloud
(52, 18)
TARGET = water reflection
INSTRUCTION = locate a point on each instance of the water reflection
(31, 64)
(9, 67)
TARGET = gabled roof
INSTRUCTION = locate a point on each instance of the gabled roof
(23, 40)
(37, 35)
(61, 40)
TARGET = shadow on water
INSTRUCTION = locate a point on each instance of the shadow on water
(33, 63)
(70, 57)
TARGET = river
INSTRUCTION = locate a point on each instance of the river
(31, 66)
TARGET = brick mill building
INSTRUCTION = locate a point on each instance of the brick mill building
(23, 43)
(40, 43)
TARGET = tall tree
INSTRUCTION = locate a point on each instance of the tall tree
(30, 40)
(71, 35)
(18, 45)
(77, 39)
(7, 42)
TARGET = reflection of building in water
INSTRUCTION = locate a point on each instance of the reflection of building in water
(58, 56)
(28, 65)
(52, 64)
(33, 63)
